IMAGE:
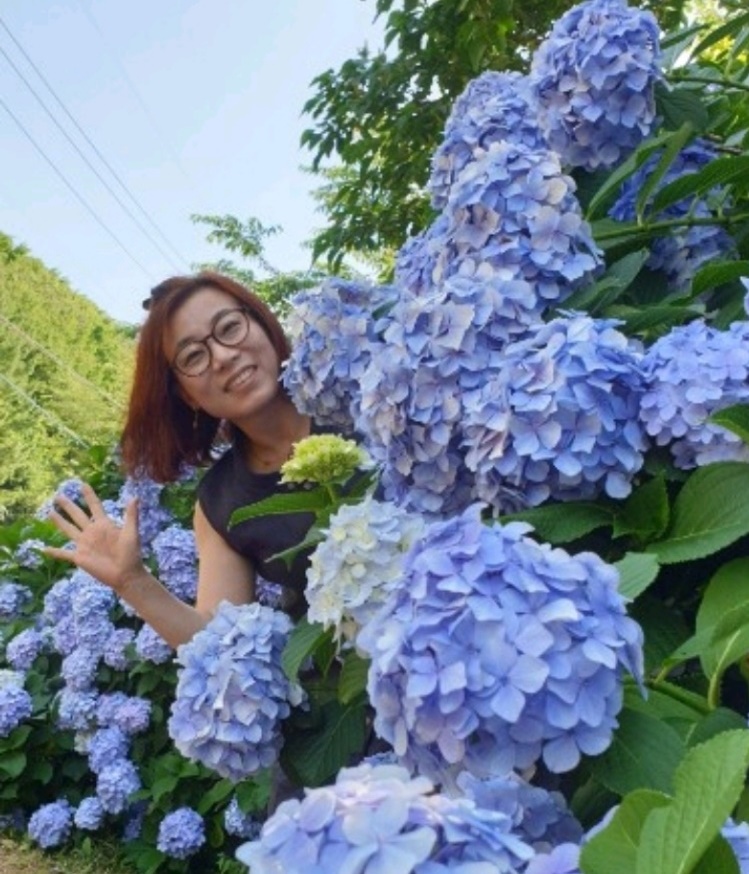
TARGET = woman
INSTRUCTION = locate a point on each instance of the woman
(209, 352)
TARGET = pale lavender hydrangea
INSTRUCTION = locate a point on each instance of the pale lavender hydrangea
(360, 561)
(116, 654)
(239, 823)
(564, 859)
(379, 819)
(497, 651)
(50, 825)
(91, 604)
(115, 783)
(70, 488)
(14, 599)
(691, 373)
(28, 554)
(181, 833)
(151, 646)
(494, 107)
(177, 560)
(76, 709)
(681, 251)
(107, 745)
(331, 329)
(416, 260)
(130, 713)
(15, 706)
(594, 81)
(22, 650)
(152, 517)
(557, 416)
(79, 668)
(89, 814)
(232, 692)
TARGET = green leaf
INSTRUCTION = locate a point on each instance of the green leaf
(13, 763)
(353, 679)
(718, 172)
(636, 572)
(707, 785)
(560, 523)
(302, 643)
(729, 642)
(644, 754)
(719, 858)
(677, 105)
(728, 588)
(253, 794)
(614, 849)
(735, 418)
(645, 514)
(215, 795)
(706, 515)
(715, 274)
(292, 502)
(616, 280)
(728, 29)
(675, 144)
(717, 721)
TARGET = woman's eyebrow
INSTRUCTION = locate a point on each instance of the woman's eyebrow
(192, 338)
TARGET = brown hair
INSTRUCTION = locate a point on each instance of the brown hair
(162, 432)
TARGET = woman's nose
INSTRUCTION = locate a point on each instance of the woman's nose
(220, 354)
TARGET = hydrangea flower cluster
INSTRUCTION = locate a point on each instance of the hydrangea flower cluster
(15, 706)
(416, 260)
(176, 558)
(14, 599)
(323, 458)
(564, 859)
(50, 825)
(115, 783)
(321, 377)
(90, 814)
(683, 250)
(129, 713)
(557, 416)
(152, 647)
(240, 824)
(28, 554)
(181, 833)
(594, 81)
(497, 651)
(152, 517)
(360, 561)
(381, 819)
(493, 107)
(232, 692)
(22, 650)
(691, 373)
(69, 488)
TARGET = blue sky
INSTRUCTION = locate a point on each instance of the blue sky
(196, 104)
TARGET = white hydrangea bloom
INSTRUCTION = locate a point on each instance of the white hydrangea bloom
(359, 563)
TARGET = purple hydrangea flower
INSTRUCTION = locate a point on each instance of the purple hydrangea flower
(493, 107)
(28, 554)
(135, 814)
(691, 373)
(682, 250)
(239, 823)
(91, 604)
(594, 82)
(50, 825)
(79, 669)
(22, 650)
(116, 653)
(89, 814)
(130, 714)
(152, 517)
(497, 651)
(70, 488)
(105, 746)
(232, 692)
(380, 819)
(15, 706)
(76, 709)
(115, 783)
(557, 416)
(332, 329)
(181, 833)
(14, 599)
(176, 557)
(564, 859)
(151, 646)
(417, 259)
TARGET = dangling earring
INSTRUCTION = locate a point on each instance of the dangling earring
(196, 414)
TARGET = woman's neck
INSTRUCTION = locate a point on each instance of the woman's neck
(269, 440)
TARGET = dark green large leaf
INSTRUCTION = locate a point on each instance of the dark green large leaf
(560, 523)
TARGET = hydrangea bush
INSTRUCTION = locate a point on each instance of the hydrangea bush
(525, 648)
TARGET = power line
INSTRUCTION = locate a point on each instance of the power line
(56, 420)
(61, 363)
(84, 157)
(75, 194)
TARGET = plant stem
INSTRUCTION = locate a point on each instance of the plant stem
(670, 223)
(689, 699)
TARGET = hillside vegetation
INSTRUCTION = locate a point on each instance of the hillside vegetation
(64, 374)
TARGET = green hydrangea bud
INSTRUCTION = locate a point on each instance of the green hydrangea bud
(323, 458)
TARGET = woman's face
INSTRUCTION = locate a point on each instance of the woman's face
(239, 379)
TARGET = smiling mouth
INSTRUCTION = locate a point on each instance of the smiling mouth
(241, 377)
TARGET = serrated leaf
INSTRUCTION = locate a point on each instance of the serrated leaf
(292, 502)
(636, 572)
(215, 795)
(644, 754)
(662, 317)
(735, 418)
(712, 275)
(560, 523)
(706, 516)
(664, 629)
(729, 642)
(614, 849)
(719, 172)
(688, 708)
(302, 642)
(677, 105)
(645, 513)
(707, 786)
(714, 723)
(353, 679)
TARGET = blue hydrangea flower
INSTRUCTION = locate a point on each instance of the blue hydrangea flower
(70, 488)
(232, 692)
(91, 604)
(181, 833)
(691, 373)
(135, 814)
(89, 814)
(682, 250)
(107, 745)
(116, 653)
(152, 647)
(57, 601)
(129, 713)
(239, 823)
(331, 329)
(14, 599)
(15, 706)
(564, 859)
(557, 416)
(28, 554)
(22, 650)
(594, 82)
(379, 819)
(176, 557)
(152, 517)
(115, 783)
(497, 650)
(737, 835)
(50, 825)
(269, 594)
(493, 107)
(416, 260)
(76, 709)
(79, 669)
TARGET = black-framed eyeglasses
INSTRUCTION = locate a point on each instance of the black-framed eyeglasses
(229, 329)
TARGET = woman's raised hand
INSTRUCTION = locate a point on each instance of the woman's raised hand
(104, 549)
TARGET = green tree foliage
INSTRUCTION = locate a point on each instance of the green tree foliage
(63, 378)
(381, 114)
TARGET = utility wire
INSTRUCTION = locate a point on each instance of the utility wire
(56, 420)
(77, 196)
(83, 156)
(62, 363)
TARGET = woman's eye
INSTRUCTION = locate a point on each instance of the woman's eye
(192, 358)
(229, 328)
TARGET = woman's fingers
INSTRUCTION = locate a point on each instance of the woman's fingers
(68, 528)
(61, 554)
(72, 511)
(94, 504)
